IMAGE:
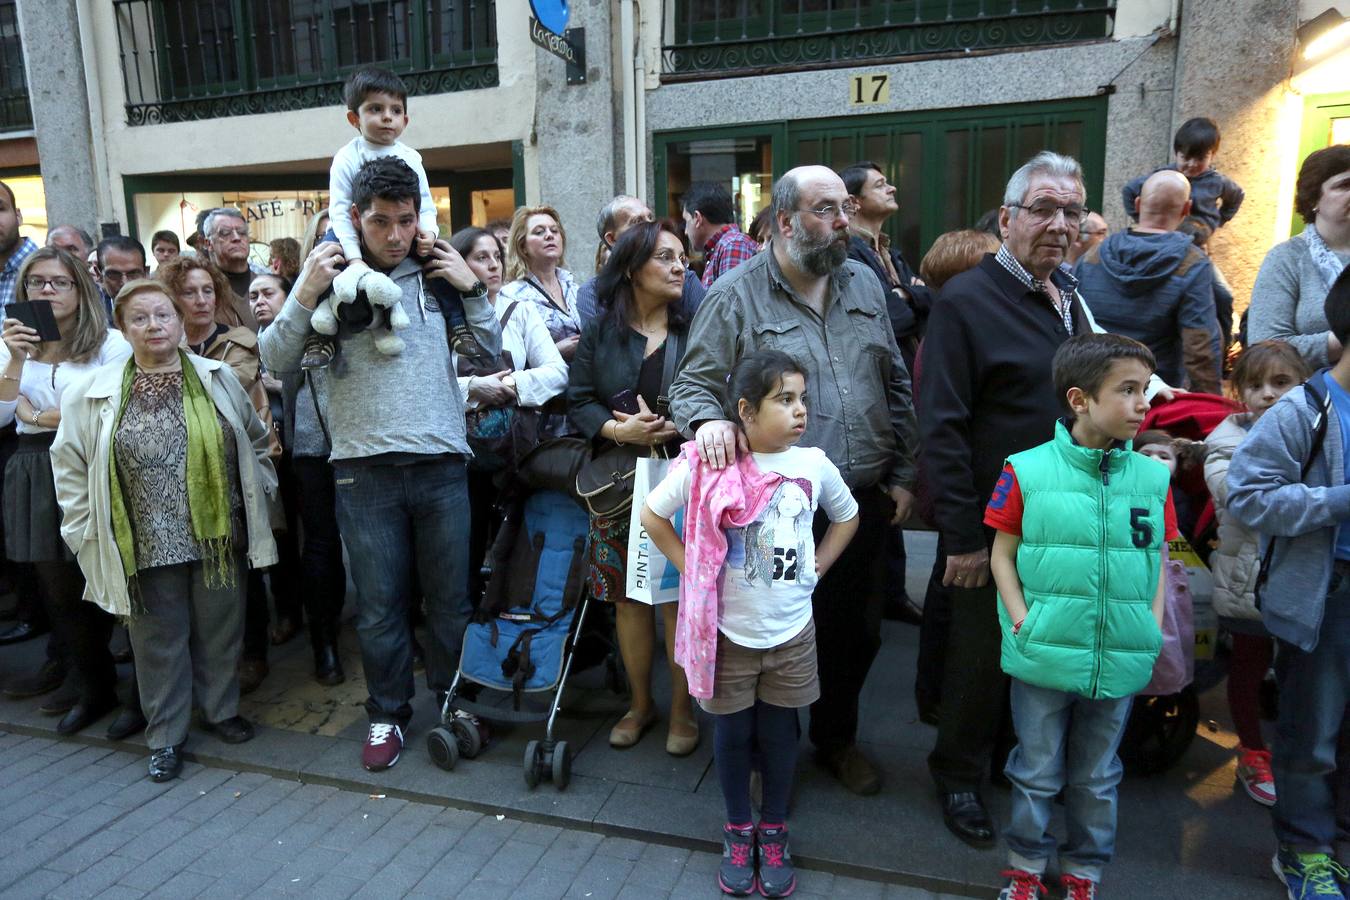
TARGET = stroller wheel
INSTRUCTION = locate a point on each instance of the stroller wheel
(443, 748)
(562, 765)
(468, 737)
(1159, 731)
(533, 764)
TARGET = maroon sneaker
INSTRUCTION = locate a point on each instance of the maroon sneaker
(384, 743)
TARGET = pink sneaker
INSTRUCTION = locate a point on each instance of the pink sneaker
(384, 743)
(1253, 773)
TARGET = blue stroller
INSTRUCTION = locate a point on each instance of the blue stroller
(522, 640)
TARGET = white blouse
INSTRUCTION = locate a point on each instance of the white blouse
(44, 383)
(540, 373)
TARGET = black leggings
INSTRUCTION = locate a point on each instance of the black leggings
(772, 731)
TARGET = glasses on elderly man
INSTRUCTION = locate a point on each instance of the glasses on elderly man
(829, 212)
(1042, 211)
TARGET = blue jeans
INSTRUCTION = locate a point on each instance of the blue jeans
(1314, 689)
(392, 518)
(1064, 741)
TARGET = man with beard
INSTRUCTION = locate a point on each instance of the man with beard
(13, 249)
(987, 392)
(806, 298)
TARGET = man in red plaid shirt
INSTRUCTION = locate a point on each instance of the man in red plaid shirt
(710, 223)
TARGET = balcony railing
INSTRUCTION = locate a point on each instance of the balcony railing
(185, 60)
(15, 113)
(740, 36)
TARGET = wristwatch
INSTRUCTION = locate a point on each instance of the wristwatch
(477, 289)
(509, 381)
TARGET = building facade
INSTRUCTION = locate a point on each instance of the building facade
(144, 112)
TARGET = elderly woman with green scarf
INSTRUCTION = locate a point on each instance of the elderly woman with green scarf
(163, 477)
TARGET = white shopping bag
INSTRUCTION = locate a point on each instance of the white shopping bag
(651, 577)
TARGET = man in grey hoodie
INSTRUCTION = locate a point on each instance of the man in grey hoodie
(1153, 284)
(398, 446)
(1288, 481)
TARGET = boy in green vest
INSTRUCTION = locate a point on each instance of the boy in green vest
(1081, 525)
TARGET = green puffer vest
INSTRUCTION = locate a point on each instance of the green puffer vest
(1092, 533)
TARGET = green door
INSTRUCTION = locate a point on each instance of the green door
(951, 166)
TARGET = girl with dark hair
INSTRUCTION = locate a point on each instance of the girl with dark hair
(617, 395)
(531, 375)
(745, 629)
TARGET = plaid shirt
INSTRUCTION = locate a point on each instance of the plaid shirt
(726, 250)
(1067, 292)
(9, 276)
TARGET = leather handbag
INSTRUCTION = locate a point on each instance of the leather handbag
(554, 464)
(605, 483)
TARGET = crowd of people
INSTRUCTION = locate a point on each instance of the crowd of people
(192, 449)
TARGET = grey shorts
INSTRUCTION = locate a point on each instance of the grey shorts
(781, 676)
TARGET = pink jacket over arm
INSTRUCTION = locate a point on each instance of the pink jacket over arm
(718, 499)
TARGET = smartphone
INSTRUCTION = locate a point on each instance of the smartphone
(624, 401)
(37, 315)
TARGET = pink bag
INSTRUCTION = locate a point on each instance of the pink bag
(1175, 667)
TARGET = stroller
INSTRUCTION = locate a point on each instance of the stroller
(522, 640)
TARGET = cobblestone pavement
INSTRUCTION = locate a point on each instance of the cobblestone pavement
(84, 821)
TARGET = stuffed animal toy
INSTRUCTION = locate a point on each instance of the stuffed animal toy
(384, 297)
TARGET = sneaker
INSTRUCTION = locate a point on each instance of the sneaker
(1076, 888)
(1253, 773)
(736, 875)
(465, 344)
(777, 877)
(319, 351)
(1308, 875)
(384, 743)
(1021, 885)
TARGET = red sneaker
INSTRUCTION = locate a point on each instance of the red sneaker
(384, 743)
(1253, 773)
(1022, 885)
(1076, 888)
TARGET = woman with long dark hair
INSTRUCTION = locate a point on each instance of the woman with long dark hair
(620, 362)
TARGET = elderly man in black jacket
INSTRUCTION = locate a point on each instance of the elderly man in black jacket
(987, 392)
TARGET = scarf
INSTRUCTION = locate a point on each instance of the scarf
(207, 487)
(1328, 264)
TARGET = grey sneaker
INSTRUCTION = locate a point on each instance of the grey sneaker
(736, 875)
(777, 877)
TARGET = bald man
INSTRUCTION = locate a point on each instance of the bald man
(1153, 284)
(1091, 233)
(805, 297)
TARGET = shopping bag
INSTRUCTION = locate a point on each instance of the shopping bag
(651, 577)
(1175, 666)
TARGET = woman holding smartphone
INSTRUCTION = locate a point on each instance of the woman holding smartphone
(614, 397)
(34, 374)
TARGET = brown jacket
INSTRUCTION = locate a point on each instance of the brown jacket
(238, 348)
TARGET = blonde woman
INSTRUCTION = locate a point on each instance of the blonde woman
(33, 377)
(534, 272)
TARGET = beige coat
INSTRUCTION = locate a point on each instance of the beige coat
(80, 463)
(1236, 562)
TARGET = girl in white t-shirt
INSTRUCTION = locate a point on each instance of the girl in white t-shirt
(765, 668)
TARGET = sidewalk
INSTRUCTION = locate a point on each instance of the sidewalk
(83, 821)
(1185, 833)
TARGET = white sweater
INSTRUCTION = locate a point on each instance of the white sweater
(346, 163)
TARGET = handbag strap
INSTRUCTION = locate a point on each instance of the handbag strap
(672, 356)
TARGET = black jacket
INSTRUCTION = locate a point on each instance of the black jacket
(985, 391)
(908, 316)
(608, 360)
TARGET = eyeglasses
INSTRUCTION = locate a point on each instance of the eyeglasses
(115, 275)
(241, 232)
(141, 320)
(666, 257)
(1042, 211)
(828, 213)
(36, 283)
